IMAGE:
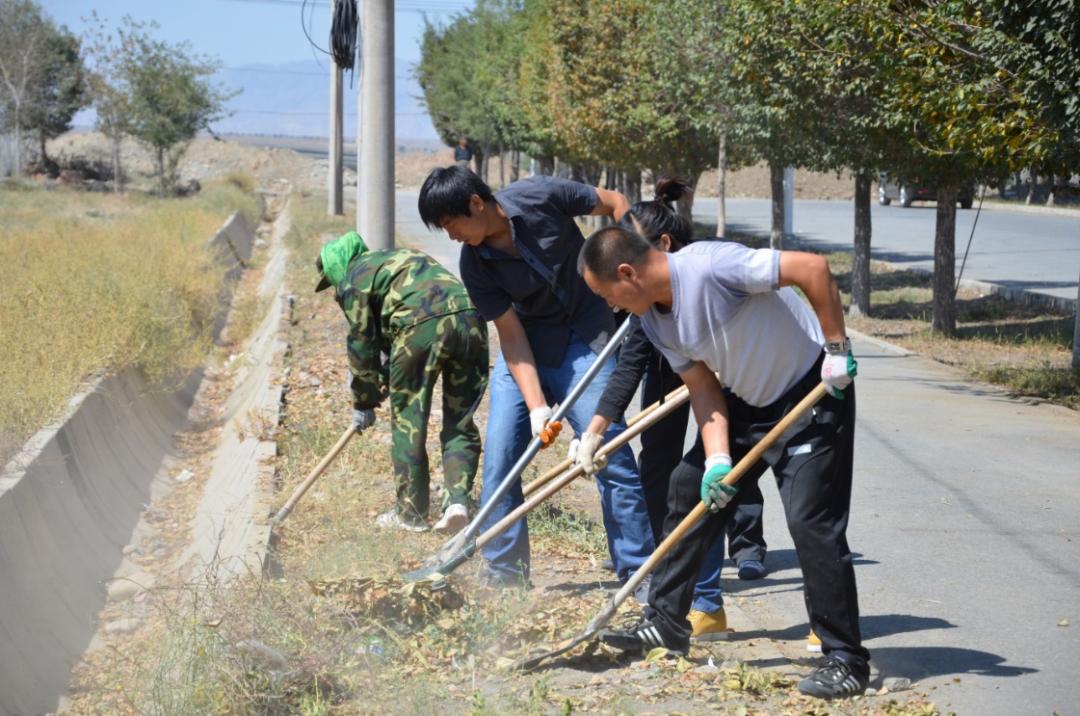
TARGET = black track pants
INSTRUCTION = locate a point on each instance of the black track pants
(813, 469)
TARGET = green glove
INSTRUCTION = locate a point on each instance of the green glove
(714, 493)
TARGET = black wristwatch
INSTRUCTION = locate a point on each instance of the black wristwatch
(838, 348)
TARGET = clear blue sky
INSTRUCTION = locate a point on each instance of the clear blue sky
(269, 32)
(244, 32)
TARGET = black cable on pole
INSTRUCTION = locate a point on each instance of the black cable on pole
(971, 236)
(343, 33)
(303, 25)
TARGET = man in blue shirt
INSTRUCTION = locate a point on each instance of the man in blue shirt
(519, 265)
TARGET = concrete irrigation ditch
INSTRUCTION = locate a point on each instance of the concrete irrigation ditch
(72, 501)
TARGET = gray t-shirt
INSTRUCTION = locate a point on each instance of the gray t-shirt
(729, 313)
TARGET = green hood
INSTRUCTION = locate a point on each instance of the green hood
(335, 257)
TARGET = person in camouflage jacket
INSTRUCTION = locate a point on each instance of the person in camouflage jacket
(404, 304)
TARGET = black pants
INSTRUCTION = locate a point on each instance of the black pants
(662, 453)
(813, 469)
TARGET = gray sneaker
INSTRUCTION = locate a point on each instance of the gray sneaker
(392, 520)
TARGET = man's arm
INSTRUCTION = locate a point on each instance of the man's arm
(610, 203)
(810, 272)
(710, 408)
(519, 358)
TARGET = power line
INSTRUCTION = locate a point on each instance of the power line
(429, 6)
(272, 71)
(314, 113)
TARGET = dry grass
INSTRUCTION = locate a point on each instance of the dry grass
(97, 282)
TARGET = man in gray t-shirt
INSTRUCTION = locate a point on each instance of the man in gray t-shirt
(722, 313)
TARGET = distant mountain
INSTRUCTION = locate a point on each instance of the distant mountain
(293, 99)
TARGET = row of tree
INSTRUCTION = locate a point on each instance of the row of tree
(141, 87)
(941, 92)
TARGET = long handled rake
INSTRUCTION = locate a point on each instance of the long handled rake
(567, 463)
(281, 514)
(463, 545)
(540, 495)
(676, 535)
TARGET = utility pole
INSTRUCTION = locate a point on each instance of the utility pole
(334, 184)
(375, 155)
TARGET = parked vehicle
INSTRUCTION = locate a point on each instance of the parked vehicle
(890, 190)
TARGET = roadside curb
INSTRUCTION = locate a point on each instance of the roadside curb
(883, 344)
(1026, 209)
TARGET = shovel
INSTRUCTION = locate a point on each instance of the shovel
(461, 546)
(676, 535)
(281, 514)
(567, 463)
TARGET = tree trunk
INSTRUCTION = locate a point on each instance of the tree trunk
(515, 165)
(118, 175)
(161, 170)
(502, 167)
(478, 161)
(1076, 333)
(1050, 199)
(18, 144)
(1033, 183)
(685, 206)
(721, 188)
(944, 319)
(776, 183)
(545, 164)
(860, 266)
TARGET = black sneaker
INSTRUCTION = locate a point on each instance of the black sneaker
(641, 638)
(834, 679)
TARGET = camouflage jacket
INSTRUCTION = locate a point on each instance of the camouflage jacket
(384, 295)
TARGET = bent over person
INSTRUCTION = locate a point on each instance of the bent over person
(724, 309)
(403, 303)
(518, 262)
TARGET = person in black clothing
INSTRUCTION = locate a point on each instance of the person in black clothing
(463, 152)
(662, 443)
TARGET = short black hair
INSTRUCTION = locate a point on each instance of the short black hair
(609, 247)
(446, 193)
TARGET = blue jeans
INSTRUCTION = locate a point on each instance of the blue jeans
(626, 521)
(708, 596)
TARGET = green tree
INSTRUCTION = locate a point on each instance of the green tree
(967, 117)
(108, 87)
(171, 98)
(468, 72)
(60, 91)
(24, 36)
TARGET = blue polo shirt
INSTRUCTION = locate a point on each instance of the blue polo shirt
(542, 284)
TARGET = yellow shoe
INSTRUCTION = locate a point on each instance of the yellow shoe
(813, 643)
(708, 626)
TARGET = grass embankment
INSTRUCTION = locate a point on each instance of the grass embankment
(102, 282)
(1023, 348)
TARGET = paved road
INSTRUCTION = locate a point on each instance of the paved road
(964, 515)
(965, 519)
(1023, 250)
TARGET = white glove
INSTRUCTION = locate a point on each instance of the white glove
(363, 419)
(583, 452)
(837, 370)
(538, 418)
